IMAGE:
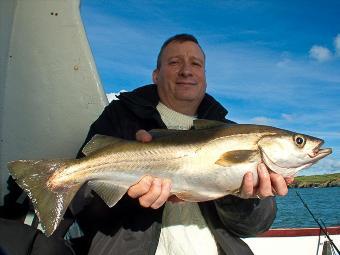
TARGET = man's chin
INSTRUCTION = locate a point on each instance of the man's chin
(190, 98)
(188, 93)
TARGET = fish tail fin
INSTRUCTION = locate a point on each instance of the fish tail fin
(49, 203)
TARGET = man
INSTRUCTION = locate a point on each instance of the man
(143, 222)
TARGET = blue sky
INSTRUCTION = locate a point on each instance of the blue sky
(268, 62)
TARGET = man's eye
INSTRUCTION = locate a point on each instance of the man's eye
(173, 62)
(197, 64)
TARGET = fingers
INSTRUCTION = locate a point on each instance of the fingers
(151, 192)
(143, 136)
(141, 188)
(279, 184)
(289, 180)
(265, 186)
(163, 193)
(247, 188)
(269, 184)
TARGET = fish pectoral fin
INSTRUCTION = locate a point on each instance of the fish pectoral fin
(98, 142)
(109, 192)
(205, 124)
(237, 157)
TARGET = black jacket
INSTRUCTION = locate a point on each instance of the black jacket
(128, 228)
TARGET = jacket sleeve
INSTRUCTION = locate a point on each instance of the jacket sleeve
(246, 217)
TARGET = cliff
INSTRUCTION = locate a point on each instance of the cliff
(325, 180)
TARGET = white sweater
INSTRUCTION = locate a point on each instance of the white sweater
(184, 230)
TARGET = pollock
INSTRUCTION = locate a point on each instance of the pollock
(205, 163)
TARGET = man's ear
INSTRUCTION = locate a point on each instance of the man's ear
(155, 76)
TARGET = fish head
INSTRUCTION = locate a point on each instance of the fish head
(289, 152)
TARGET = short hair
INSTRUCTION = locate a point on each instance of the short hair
(177, 38)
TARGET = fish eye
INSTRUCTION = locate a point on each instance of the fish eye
(299, 140)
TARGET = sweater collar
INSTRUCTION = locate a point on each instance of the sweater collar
(143, 101)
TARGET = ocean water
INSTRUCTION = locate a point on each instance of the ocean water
(323, 202)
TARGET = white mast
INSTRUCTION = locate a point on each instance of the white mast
(50, 91)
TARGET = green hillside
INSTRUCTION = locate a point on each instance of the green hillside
(325, 180)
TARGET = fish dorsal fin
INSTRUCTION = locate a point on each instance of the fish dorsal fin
(98, 142)
(157, 133)
(237, 157)
(204, 124)
(109, 192)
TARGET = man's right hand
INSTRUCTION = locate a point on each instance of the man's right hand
(151, 192)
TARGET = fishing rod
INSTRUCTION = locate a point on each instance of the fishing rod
(316, 220)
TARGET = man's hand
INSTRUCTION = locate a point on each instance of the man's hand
(269, 184)
(151, 192)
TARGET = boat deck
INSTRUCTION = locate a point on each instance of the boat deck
(296, 241)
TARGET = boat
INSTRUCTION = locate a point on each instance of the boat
(295, 241)
(50, 92)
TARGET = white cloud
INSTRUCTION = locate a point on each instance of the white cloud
(329, 135)
(287, 117)
(262, 120)
(113, 96)
(337, 44)
(324, 166)
(284, 62)
(320, 53)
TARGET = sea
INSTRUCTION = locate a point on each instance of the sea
(324, 203)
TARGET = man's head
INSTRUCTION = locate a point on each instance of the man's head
(180, 74)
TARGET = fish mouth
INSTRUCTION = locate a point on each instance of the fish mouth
(319, 153)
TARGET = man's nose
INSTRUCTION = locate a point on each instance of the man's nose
(186, 70)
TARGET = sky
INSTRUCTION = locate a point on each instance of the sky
(275, 63)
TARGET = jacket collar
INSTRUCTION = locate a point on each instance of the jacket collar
(143, 101)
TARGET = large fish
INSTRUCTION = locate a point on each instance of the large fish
(205, 163)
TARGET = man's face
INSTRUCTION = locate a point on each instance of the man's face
(181, 75)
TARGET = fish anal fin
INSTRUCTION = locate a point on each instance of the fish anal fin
(237, 157)
(195, 196)
(205, 124)
(109, 192)
(98, 142)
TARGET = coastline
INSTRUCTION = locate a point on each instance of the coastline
(316, 181)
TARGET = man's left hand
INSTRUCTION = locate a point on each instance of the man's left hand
(269, 184)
